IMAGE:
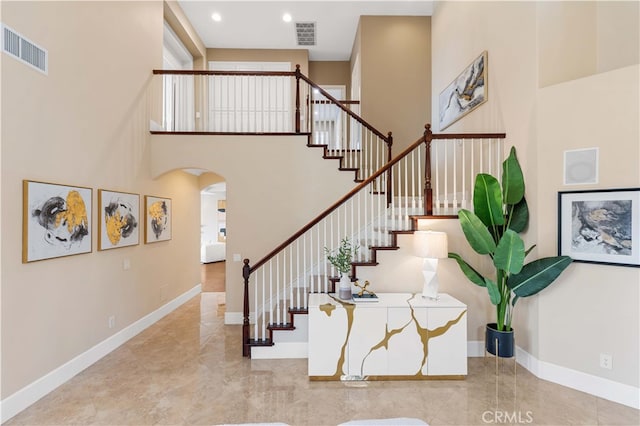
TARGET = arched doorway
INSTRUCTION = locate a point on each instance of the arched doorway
(213, 195)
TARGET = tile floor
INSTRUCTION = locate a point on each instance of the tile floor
(188, 369)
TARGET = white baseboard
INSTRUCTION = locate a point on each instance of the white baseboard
(282, 350)
(237, 318)
(593, 385)
(233, 318)
(31, 393)
(475, 348)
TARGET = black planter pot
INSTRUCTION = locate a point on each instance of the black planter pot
(499, 343)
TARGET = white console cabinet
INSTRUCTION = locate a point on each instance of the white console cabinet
(401, 336)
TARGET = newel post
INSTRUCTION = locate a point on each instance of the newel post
(389, 172)
(297, 119)
(246, 272)
(428, 192)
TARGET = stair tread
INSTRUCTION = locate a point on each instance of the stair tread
(254, 342)
(282, 326)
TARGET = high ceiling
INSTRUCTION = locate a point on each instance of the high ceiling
(259, 24)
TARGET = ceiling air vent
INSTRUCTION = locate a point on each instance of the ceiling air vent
(24, 50)
(306, 33)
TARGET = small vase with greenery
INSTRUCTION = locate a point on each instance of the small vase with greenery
(500, 214)
(341, 259)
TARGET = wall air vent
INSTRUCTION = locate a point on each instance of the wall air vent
(24, 50)
(306, 33)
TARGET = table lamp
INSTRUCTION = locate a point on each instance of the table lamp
(430, 245)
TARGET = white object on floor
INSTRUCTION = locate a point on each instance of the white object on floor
(400, 421)
(213, 252)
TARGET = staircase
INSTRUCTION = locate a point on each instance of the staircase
(383, 206)
(432, 178)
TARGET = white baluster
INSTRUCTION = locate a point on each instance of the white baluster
(464, 178)
(435, 176)
(263, 324)
(277, 290)
(270, 292)
(420, 177)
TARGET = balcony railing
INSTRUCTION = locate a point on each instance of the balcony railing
(276, 102)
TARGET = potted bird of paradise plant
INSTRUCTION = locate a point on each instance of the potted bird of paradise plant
(500, 214)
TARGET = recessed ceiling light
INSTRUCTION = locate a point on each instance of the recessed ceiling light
(216, 17)
(286, 17)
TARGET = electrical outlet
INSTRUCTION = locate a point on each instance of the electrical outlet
(606, 361)
(112, 321)
(237, 258)
(126, 264)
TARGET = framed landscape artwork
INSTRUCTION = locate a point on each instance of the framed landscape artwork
(118, 219)
(467, 92)
(157, 213)
(56, 220)
(600, 226)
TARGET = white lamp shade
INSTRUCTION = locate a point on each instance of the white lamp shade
(430, 244)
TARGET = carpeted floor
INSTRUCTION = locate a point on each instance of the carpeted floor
(213, 277)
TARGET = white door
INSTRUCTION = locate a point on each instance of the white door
(250, 103)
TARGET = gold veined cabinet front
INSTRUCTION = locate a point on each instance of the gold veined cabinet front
(402, 336)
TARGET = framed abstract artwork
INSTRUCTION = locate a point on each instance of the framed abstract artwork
(56, 220)
(157, 213)
(600, 226)
(118, 219)
(467, 92)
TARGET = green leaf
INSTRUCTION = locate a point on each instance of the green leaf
(514, 300)
(473, 275)
(519, 219)
(487, 200)
(512, 179)
(494, 292)
(476, 233)
(537, 275)
(509, 255)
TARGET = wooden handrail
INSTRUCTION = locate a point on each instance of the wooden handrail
(428, 191)
(335, 205)
(343, 102)
(425, 138)
(342, 107)
(237, 73)
(468, 135)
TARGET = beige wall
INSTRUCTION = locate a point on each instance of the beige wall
(275, 185)
(209, 178)
(85, 123)
(577, 39)
(331, 73)
(598, 111)
(568, 324)
(395, 58)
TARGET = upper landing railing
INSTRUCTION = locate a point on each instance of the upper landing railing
(276, 102)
